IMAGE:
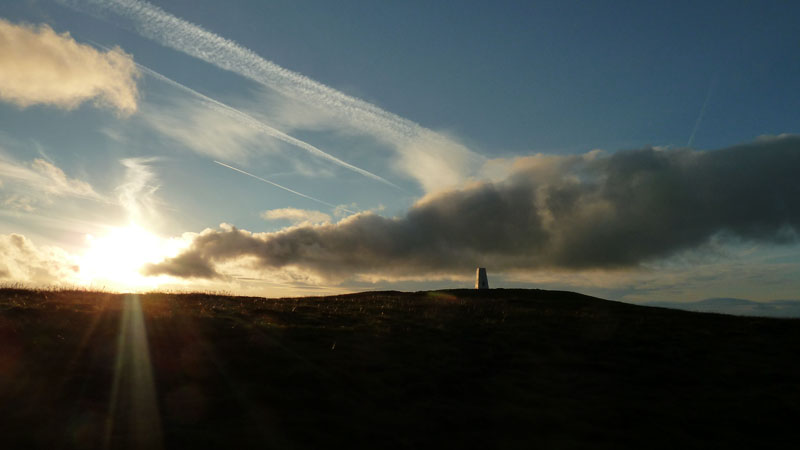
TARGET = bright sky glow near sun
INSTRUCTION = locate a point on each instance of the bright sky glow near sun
(630, 150)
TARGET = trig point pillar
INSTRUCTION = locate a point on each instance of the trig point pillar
(481, 282)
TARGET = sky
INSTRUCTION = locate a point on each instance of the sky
(638, 151)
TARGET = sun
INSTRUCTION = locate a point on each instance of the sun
(114, 260)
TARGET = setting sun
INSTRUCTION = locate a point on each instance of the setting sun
(114, 259)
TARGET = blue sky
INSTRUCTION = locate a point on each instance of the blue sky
(404, 112)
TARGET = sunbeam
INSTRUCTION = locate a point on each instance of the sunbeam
(133, 415)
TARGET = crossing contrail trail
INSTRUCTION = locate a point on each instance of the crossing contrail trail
(284, 187)
(414, 143)
(152, 22)
(266, 129)
(259, 125)
(702, 112)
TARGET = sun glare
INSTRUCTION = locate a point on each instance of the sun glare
(114, 260)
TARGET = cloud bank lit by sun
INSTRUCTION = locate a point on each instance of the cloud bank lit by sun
(113, 260)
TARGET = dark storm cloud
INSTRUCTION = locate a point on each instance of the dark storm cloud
(572, 212)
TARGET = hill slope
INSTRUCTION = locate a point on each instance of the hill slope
(459, 368)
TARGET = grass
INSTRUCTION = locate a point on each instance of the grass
(459, 368)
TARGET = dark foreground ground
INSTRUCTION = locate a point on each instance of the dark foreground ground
(447, 369)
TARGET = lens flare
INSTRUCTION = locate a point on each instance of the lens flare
(114, 259)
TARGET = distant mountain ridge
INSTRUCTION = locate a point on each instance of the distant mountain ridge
(737, 307)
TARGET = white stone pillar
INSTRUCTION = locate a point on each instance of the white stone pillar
(481, 282)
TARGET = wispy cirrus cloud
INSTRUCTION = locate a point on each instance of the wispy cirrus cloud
(570, 213)
(191, 124)
(27, 184)
(236, 125)
(296, 216)
(137, 192)
(447, 162)
(40, 66)
(23, 262)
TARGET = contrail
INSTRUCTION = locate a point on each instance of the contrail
(154, 23)
(702, 112)
(284, 187)
(261, 126)
(266, 129)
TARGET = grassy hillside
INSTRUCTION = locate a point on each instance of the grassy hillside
(460, 369)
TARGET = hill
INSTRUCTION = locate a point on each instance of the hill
(457, 368)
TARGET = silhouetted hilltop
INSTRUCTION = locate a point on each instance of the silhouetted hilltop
(501, 368)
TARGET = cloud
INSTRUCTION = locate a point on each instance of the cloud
(296, 216)
(204, 130)
(435, 161)
(23, 262)
(137, 193)
(27, 184)
(19, 202)
(41, 66)
(556, 212)
(56, 182)
(232, 121)
(718, 268)
(415, 145)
